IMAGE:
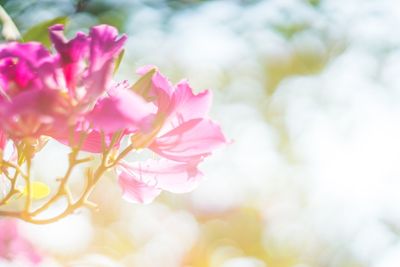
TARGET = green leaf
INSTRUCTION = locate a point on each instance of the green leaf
(40, 32)
(10, 31)
(143, 85)
(118, 61)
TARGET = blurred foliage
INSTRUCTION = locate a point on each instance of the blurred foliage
(100, 11)
(240, 229)
(114, 13)
(314, 3)
(40, 31)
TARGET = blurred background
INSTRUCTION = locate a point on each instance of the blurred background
(309, 90)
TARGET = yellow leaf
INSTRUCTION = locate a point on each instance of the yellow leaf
(143, 85)
(39, 190)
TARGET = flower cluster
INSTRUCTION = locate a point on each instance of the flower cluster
(70, 96)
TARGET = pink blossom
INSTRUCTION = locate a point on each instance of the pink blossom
(108, 107)
(43, 93)
(27, 84)
(182, 130)
(20, 64)
(14, 246)
(182, 135)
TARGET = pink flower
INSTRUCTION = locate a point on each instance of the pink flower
(25, 66)
(29, 94)
(182, 130)
(43, 93)
(107, 107)
(14, 246)
(181, 134)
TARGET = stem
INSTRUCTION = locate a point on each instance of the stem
(14, 166)
(122, 155)
(83, 199)
(28, 200)
(12, 190)
(15, 214)
(108, 161)
(63, 189)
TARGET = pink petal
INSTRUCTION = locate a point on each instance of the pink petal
(186, 106)
(22, 248)
(104, 48)
(191, 106)
(159, 80)
(105, 45)
(160, 90)
(136, 190)
(33, 53)
(172, 176)
(121, 109)
(72, 50)
(3, 140)
(72, 54)
(20, 64)
(145, 69)
(190, 141)
(34, 113)
(92, 143)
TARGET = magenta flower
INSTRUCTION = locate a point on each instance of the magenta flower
(14, 246)
(29, 103)
(43, 93)
(182, 130)
(104, 106)
(181, 133)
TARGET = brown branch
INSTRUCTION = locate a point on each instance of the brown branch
(63, 189)
(108, 161)
(12, 190)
